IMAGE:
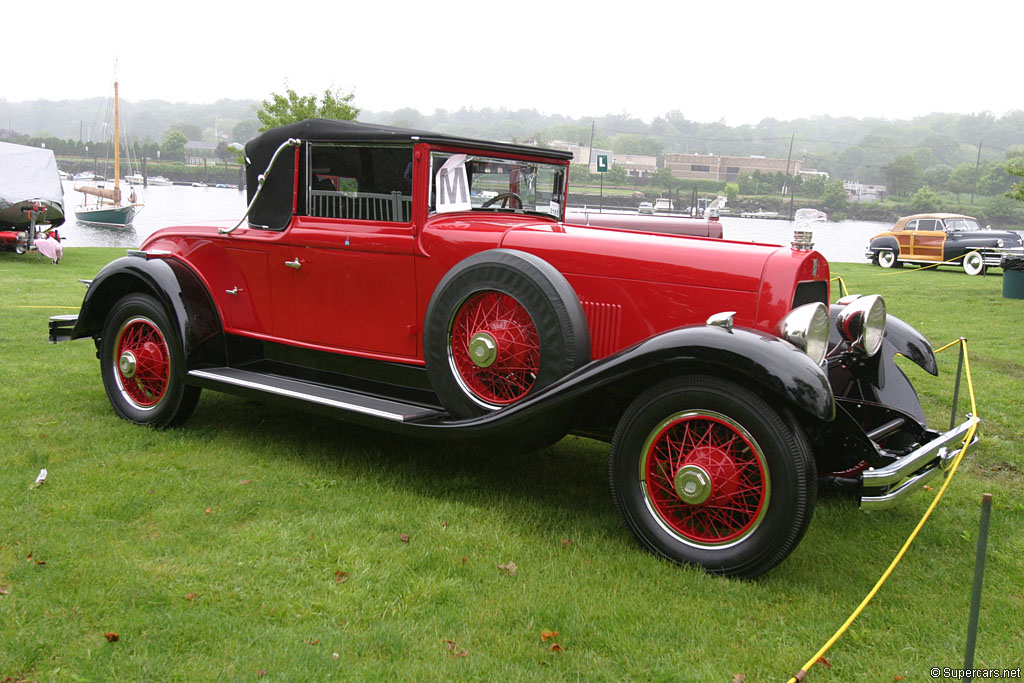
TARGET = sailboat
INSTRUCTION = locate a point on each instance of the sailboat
(108, 208)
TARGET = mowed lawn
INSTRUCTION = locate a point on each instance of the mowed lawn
(258, 542)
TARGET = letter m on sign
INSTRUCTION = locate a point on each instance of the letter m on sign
(453, 186)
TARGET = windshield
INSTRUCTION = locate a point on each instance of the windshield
(961, 224)
(461, 182)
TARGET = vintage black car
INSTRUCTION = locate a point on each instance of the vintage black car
(942, 238)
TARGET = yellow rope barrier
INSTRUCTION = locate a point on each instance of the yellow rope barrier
(800, 675)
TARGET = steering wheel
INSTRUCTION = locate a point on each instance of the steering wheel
(503, 198)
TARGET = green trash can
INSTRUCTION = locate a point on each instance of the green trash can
(1013, 276)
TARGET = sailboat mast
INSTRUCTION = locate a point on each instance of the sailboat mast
(117, 146)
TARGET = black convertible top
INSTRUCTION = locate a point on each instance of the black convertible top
(273, 209)
(261, 148)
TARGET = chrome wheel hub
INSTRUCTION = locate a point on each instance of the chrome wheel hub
(692, 484)
(127, 363)
(483, 350)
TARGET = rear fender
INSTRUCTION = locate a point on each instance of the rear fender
(181, 292)
(885, 243)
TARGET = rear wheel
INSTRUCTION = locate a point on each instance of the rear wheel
(143, 364)
(705, 472)
(973, 263)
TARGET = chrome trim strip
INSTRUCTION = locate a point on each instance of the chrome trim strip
(938, 447)
(287, 393)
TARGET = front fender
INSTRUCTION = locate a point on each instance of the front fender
(771, 365)
(172, 283)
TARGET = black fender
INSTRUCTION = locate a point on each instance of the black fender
(773, 367)
(175, 285)
(882, 243)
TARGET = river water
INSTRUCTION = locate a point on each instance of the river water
(165, 206)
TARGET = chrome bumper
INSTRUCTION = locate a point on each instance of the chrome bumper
(887, 486)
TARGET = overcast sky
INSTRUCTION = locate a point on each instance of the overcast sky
(739, 62)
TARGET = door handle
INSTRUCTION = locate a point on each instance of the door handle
(233, 291)
(293, 264)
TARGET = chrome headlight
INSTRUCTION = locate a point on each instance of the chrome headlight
(999, 244)
(862, 324)
(806, 327)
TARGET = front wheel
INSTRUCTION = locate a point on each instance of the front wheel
(973, 263)
(886, 259)
(143, 364)
(705, 472)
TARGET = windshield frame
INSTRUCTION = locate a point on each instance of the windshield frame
(545, 166)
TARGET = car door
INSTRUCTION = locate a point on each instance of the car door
(351, 258)
(928, 239)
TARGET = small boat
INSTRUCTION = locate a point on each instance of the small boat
(134, 179)
(159, 180)
(109, 209)
(30, 197)
(84, 176)
(759, 214)
(64, 175)
(197, 184)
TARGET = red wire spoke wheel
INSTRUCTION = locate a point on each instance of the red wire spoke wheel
(495, 349)
(143, 362)
(501, 325)
(705, 478)
(705, 471)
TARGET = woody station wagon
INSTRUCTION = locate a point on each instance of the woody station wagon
(430, 285)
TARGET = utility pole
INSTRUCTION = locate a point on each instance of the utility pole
(977, 164)
(590, 154)
(788, 158)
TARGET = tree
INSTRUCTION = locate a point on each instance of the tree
(732, 190)
(903, 175)
(961, 180)
(1017, 191)
(245, 130)
(617, 175)
(173, 146)
(291, 107)
(924, 201)
(834, 196)
(190, 130)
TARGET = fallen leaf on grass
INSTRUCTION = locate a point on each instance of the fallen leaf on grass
(313, 642)
(111, 637)
(824, 662)
(548, 635)
(454, 649)
(444, 525)
(3, 591)
(555, 647)
(509, 568)
(244, 482)
(566, 542)
(739, 678)
(404, 538)
(897, 678)
(260, 673)
(340, 576)
(463, 560)
(191, 596)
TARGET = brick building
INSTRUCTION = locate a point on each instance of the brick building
(726, 168)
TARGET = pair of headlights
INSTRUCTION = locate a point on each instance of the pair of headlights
(861, 324)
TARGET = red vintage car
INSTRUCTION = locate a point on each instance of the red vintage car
(429, 284)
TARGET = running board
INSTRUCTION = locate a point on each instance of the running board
(307, 392)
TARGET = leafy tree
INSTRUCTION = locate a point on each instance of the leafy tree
(291, 107)
(664, 178)
(579, 174)
(813, 186)
(924, 201)
(1017, 191)
(732, 190)
(993, 179)
(245, 130)
(834, 196)
(903, 175)
(961, 180)
(173, 146)
(617, 175)
(190, 130)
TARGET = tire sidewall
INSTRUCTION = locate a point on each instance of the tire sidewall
(548, 299)
(973, 263)
(788, 464)
(169, 409)
(886, 258)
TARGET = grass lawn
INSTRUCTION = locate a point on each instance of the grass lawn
(254, 542)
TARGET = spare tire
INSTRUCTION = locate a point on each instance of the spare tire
(501, 325)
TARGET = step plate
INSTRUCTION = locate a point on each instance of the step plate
(316, 393)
